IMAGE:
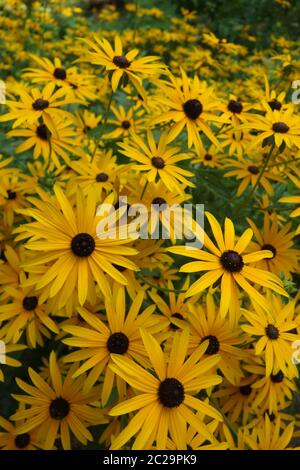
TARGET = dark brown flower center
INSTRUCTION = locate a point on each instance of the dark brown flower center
(158, 162)
(159, 203)
(235, 106)
(208, 157)
(22, 440)
(193, 109)
(277, 378)
(213, 345)
(121, 61)
(271, 248)
(272, 331)
(43, 132)
(280, 127)
(59, 408)
(101, 177)
(275, 105)
(253, 169)
(126, 124)
(82, 245)
(11, 195)
(171, 393)
(60, 73)
(30, 303)
(118, 343)
(40, 104)
(232, 261)
(245, 390)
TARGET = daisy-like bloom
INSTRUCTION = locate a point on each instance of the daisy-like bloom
(176, 309)
(24, 313)
(76, 257)
(76, 85)
(120, 64)
(53, 72)
(223, 339)
(159, 161)
(247, 170)
(294, 200)
(228, 262)
(14, 188)
(275, 100)
(98, 341)
(272, 328)
(11, 440)
(236, 401)
(58, 408)
(163, 209)
(267, 437)
(235, 111)
(166, 395)
(190, 105)
(212, 157)
(275, 392)
(50, 146)
(285, 259)
(235, 141)
(96, 174)
(124, 123)
(35, 104)
(282, 126)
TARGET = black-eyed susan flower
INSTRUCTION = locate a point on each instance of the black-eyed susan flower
(58, 408)
(166, 396)
(223, 338)
(35, 104)
(98, 341)
(275, 392)
(11, 440)
(189, 105)
(282, 126)
(119, 63)
(96, 174)
(279, 241)
(124, 122)
(158, 160)
(228, 262)
(272, 330)
(24, 314)
(176, 308)
(75, 256)
(51, 146)
(248, 172)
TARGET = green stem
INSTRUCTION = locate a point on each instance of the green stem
(163, 289)
(103, 124)
(144, 189)
(266, 162)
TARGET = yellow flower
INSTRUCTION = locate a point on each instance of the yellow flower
(119, 64)
(166, 398)
(158, 160)
(57, 408)
(227, 261)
